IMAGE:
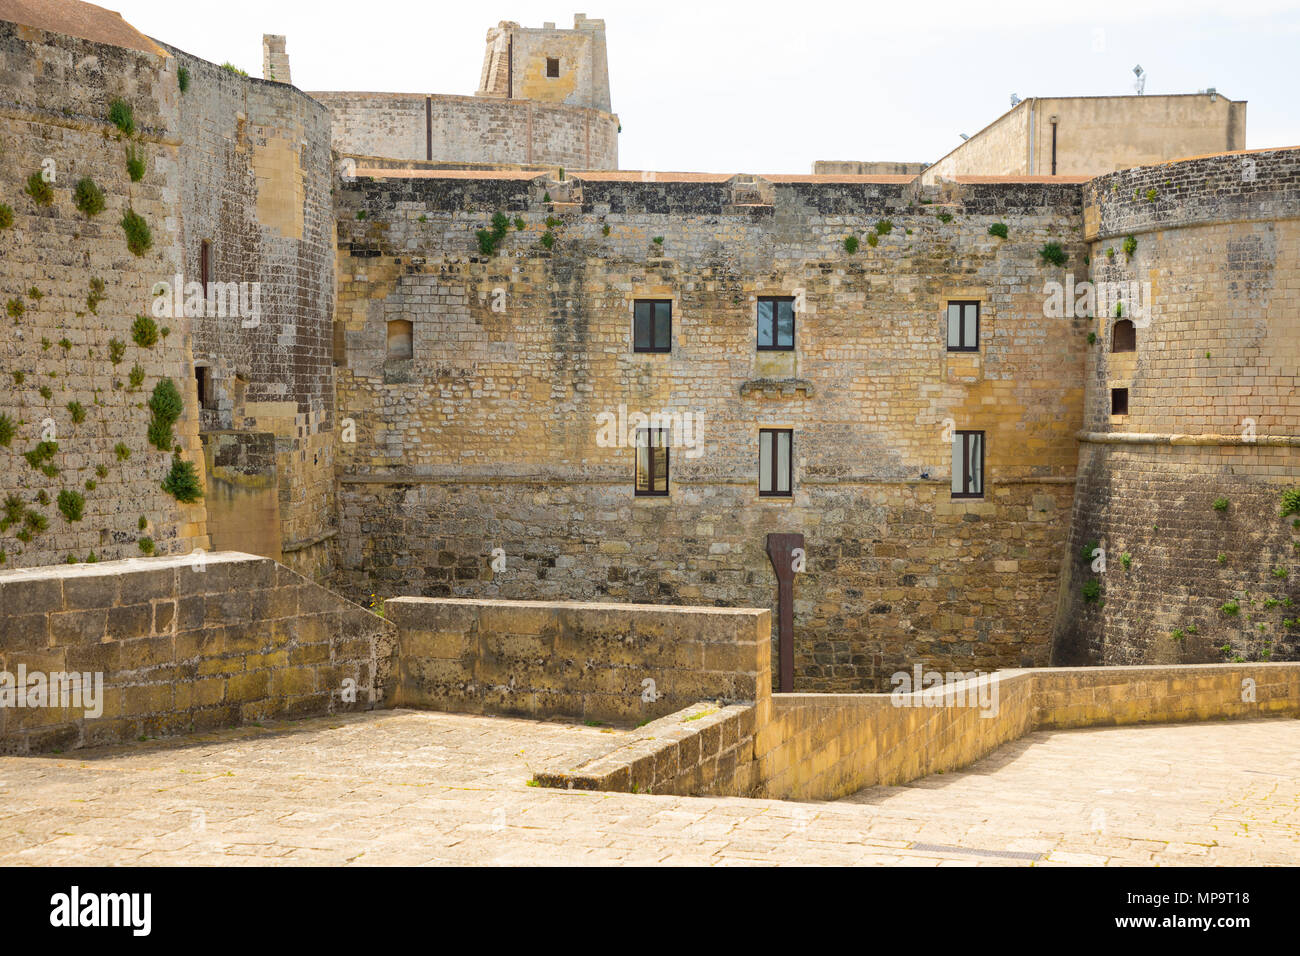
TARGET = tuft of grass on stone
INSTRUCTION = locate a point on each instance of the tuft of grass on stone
(183, 79)
(850, 244)
(121, 115)
(88, 197)
(135, 164)
(1052, 254)
(182, 482)
(39, 190)
(138, 237)
(144, 332)
(72, 504)
(6, 215)
(998, 229)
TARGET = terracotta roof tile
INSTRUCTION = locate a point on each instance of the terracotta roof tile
(77, 19)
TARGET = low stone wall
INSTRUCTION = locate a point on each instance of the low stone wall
(819, 746)
(178, 644)
(608, 662)
(826, 746)
(704, 749)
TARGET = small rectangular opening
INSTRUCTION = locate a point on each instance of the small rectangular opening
(552, 66)
(1119, 401)
(203, 383)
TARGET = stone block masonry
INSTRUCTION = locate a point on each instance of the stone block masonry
(1184, 489)
(621, 663)
(71, 371)
(184, 645)
(488, 436)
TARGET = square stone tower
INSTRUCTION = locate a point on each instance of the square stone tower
(548, 65)
(275, 61)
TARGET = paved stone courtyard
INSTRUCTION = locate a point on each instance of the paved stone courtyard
(406, 787)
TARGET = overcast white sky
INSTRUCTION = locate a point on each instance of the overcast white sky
(766, 87)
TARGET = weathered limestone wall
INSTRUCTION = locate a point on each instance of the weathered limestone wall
(489, 437)
(60, 336)
(609, 662)
(184, 646)
(827, 746)
(1212, 417)
(472, 129)
(818, 746)
(704, 749)
(256, 177)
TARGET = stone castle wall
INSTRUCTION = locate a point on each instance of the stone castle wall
(488, 437)
(60, 337)
(472, 129)
(256, 176)
(1212, 414)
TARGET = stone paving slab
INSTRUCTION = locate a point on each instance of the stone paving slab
(407, 787)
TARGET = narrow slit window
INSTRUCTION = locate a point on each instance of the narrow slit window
(205, 265)
(652, 326)
(775, 462)
(652, 461)
(963, 326)
(1119, 401)
(968, 465)
(203, 384)
(776, 324)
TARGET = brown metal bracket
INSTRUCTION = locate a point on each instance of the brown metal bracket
(780, 549)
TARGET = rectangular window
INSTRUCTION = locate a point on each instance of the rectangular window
(775, 458)
(652, 326)
(776, 324)
(203, 382)
(552, 66)
(1119, 401)
(968, 465)
(963, 326)
(205, 265)
(652, 461)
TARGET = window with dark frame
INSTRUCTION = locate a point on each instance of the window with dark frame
(1123, 337)
(963, 326)
(652, 461)
(552, 66)
(775, 462)
(776, 324)
(652, 321)
(968, 465)
(1119, 401)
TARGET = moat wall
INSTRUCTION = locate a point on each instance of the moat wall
(72, 289)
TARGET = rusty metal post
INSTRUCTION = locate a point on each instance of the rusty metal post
(780, 550)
